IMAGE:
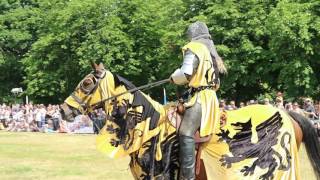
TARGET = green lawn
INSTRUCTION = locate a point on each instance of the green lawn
(64, 156)
(56, 156)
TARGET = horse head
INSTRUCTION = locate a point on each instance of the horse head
(89, 93)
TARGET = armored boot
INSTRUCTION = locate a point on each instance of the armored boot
(187, 158)
(189, 125)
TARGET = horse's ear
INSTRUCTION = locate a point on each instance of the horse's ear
(101, 66)
(94, 65)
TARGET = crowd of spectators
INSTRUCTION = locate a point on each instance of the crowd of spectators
(307, 107)
(41, 118)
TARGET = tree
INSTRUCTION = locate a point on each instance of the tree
(19, 22)
(46, 46)
(267, 46)
(294, 30)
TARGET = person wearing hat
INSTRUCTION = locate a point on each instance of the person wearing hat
(200, 71)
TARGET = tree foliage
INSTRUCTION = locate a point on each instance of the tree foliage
(46, 46)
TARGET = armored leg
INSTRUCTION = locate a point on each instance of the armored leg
(189, 125)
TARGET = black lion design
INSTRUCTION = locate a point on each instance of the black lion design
(242, 148)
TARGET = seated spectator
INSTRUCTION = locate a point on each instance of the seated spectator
(266, 101)
(279, 103)
(222, 104)
(279, 97)
(24, 126)
(7, 114)
(85, 125)
(317, 111)
(233, 105)
(288, 106)
(49, 126)
(18, 126)
(309, 109)
(33, 127)
(30, 115)
(38, 117)
(56, 116)
(43, 112)
(82, 124)
(296, 108)
(63, 127)
(251, 102)
(98, 118)
(2, 118)
(228, 108)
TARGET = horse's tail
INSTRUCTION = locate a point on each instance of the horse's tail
(310, 139)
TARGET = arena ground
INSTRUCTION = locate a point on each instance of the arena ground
(56, 156)
(68, 156)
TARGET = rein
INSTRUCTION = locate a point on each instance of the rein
(143, 87)
(84, 106)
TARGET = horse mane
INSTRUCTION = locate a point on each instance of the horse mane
(140, 99)
(119, 80)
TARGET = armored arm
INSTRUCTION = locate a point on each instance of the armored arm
(190, 64)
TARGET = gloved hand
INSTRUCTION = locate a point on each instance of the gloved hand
(180, 107)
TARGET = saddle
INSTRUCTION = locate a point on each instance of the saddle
(175, 119)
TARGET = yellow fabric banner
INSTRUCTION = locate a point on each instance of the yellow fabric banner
(256, 142)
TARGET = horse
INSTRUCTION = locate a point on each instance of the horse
(254, 142)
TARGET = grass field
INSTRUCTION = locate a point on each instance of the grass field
(62, 156)
(56, 156)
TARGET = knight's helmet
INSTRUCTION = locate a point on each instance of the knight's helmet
(198, 30)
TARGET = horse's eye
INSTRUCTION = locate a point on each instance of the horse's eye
(87, 82)
(87, 85)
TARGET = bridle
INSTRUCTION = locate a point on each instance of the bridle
(84, 103)
(95, 79)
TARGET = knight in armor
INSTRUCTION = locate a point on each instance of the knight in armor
(200, 71)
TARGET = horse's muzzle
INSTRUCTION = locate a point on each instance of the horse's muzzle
(68, 113)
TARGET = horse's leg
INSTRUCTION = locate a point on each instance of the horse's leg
(298, 132)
